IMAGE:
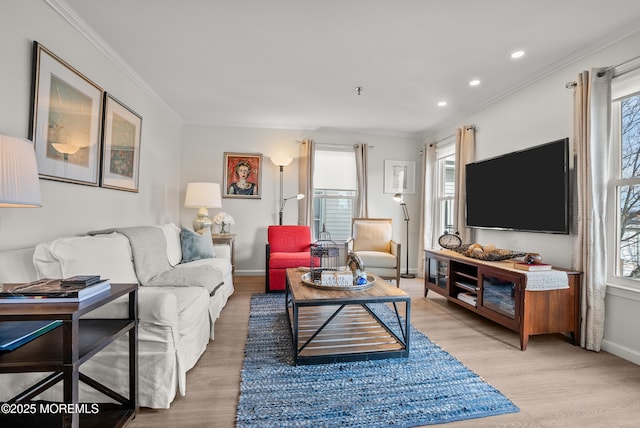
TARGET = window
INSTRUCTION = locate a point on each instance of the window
(334, 192)
(444, 189)
(625, 182)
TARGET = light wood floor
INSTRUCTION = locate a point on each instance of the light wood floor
(554, 383)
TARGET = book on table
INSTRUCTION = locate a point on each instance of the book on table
(532, 267)
(84, 280)
(14, 334)
(51, 291)
(469, 298)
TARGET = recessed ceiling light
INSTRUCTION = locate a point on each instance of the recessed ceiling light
(474, 82)
(517, 54)
(442, 103)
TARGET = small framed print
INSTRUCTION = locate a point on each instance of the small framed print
(120, 146)
(66, 120)
(399, 176)
(243, 175)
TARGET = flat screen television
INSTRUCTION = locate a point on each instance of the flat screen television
(527, 190)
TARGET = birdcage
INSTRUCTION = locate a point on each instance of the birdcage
(325, 255)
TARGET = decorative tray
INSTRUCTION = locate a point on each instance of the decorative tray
(491, 256)
(306, 280)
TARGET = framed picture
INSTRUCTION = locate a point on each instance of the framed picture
(66, 120)
(120, 146)
(243, 175)
(399, 176)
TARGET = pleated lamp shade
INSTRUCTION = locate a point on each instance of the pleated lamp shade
(19, 183)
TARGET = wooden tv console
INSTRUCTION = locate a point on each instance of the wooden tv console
(497, 291)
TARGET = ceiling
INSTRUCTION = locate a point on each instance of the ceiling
(295, 64)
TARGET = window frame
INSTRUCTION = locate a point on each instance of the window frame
(317, 198)
(627, 90)
(444, 151)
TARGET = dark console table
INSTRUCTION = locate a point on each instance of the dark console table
(62, 351)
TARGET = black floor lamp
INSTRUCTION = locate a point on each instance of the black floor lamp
(398, 197)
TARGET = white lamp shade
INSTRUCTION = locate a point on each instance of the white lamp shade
(281, 160)
(203, 195)
(19, 184)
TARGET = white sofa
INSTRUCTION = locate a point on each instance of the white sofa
(175, 322)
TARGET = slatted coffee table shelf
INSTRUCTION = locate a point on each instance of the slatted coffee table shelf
(333, 325)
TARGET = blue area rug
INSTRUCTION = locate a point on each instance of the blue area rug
(429, 387)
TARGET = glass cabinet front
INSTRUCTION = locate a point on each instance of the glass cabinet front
(499, 295)
(437, 272)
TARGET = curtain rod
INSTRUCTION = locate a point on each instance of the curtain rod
(449, 137)
(618, 70)
(336, 146)
(443, 139)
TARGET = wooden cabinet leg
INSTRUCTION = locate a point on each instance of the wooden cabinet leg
(524, 341)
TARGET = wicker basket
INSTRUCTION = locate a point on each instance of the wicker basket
(492, 256)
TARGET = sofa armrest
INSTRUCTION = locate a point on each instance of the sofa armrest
(395, 248)
(155, 306)
(349, 244)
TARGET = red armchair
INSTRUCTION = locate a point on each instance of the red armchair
(287, 247)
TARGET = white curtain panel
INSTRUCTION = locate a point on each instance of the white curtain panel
(592, 146)
(305, 183)
(465, 153)
(362, 201)
(428, 203)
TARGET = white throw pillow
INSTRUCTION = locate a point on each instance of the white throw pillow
(107, 255)
(174, 247)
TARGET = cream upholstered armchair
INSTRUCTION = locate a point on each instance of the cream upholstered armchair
(371, 239)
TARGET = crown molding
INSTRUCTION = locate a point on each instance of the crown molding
(83, 28)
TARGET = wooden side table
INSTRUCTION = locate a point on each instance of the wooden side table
(63, 350)
(228, 239)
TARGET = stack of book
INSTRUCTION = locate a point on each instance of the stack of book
(69, 290)
(468, 298)
(532, 267)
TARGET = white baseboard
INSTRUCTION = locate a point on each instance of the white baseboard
(249, 272)
(621, 351)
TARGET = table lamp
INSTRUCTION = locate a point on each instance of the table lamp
(202, 196)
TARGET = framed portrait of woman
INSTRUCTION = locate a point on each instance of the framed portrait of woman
(242, 175)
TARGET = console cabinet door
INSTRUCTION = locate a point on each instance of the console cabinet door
(501, 297)
(436, 275)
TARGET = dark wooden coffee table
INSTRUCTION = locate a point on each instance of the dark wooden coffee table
(334, 325)
(62, 351)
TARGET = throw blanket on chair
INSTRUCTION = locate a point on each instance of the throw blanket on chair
(149, 249)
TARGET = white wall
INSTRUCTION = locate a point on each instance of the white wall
(202, 156)
(534, 115)
(70, 208)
